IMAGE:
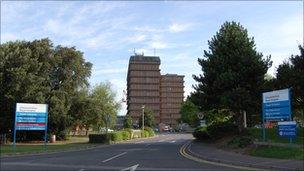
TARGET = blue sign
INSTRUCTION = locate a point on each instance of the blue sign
(31, 116)
(287, 129)
(276, 105)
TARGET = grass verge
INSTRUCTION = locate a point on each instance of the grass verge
(272, 135)
(28, 149)
(278, 152)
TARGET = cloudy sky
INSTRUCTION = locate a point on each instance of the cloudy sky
(108, 32)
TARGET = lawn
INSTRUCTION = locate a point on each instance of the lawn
(272, 135)
(26, 148)
(278, 152)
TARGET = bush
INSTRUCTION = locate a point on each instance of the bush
(126, 135)
(150, 131)
(241, 141)
(116, 136)
(99, 138)
(144, 133)
(222, 129)
(201, 133)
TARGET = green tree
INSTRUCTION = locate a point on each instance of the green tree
(291, 75)
(69, 72)
(149, 119)
(24, 75)
(232, 72)
(128, 121)
(82, 110)
(189, 113)
(105, 105)
(37, 72)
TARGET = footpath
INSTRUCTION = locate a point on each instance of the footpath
(210, 153)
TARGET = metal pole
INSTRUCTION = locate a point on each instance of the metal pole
(143, 117)
(46, 127)
(14, 141)
(245, 119)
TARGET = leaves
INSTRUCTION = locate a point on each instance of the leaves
(232, 71)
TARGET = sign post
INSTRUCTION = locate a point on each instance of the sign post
(276, 107)
(30, 117)
(200, 116)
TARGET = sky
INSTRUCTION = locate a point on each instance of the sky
(107, 32)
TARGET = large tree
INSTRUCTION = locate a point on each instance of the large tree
(232, 72)
(189, 113)
(105, 106)
(24, 75)
(37, 72)
(149, 120)
(290, 74)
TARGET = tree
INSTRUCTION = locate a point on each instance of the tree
(291, 75)
(37, 72)
(189, 113)
(232, 72)
(69, 72)
(24, 73)
(149, 120)
(128, 122)
(105, 106)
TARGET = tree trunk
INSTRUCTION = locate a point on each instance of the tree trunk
(240, 121)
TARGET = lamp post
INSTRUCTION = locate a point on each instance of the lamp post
(143, 117)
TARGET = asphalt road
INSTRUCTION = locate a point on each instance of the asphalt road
(161, 153)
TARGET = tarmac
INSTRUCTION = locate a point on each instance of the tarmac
(209, 153)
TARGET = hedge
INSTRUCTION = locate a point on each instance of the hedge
(215, 131)
(122, 135)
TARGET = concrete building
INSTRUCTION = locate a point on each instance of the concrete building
(163, 94)
(143, 82)
(171, 97)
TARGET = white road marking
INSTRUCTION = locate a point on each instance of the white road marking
(139, 142)
(118, 155)
(132, 168)
(172, 142)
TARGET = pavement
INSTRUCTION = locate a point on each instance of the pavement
(210, 153)
(166, 152)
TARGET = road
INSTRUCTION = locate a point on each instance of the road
(161, 153)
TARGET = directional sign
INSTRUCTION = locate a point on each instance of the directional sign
(31, 116)
(287, 129)
(200, 115)
(276, 105)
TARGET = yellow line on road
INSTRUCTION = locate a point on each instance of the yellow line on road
(184, 153)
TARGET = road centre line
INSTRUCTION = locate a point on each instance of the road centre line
(118, 155)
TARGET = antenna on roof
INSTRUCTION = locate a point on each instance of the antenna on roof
(134, 52)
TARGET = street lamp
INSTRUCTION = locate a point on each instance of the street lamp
(143, 117)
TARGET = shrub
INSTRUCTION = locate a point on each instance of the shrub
(144, 133)
(201, 133)
(241, 141)
(150, 131)
(221, 129)
(99, 138)
(126, 135)
(116, 136)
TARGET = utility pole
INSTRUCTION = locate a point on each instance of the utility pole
(143, 117)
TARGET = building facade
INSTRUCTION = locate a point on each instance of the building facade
(163, 94)
(143, 82)
(171, 97)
